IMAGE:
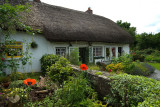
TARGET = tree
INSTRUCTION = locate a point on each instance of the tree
(127, 27)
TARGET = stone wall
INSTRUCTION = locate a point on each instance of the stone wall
(100, 82)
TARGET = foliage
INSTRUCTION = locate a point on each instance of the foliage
(98, 73)
(155, 65)
(47, 102)
(10, 18)
(17, 84)
(73, 93)
(141, 69)
(93, 67)
(126, 61)
(17, 75)
(74, 57)
(145, 41)
(4, 79)
(60, 71)
(47, 60)
(152, 58)
(128, 90)
(34, 44)
(115, 67)
(130, 67)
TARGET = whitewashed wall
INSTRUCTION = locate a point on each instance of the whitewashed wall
(46, 47)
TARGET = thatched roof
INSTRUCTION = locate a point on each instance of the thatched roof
(62, 24)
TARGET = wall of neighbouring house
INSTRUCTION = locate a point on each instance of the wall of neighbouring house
(47, 47)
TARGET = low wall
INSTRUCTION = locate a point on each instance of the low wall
(100, 82)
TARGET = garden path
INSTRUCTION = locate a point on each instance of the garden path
(155, 75)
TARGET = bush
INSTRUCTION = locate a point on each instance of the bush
(16, 76)
(138, 57)
(130, 67)
(47, 60)
(115, 67)
(75, 93)
(17, 84)
(152, 58)
(142, 69)
(74, 57)
(128, 90)
(60, 71)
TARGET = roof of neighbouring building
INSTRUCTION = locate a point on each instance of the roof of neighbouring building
(63, 24)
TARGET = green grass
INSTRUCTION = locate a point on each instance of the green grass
(155, 65)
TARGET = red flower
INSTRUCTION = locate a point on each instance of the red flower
(133, 53)
(83, 67)
(29, 81)
(109, 70)
(3, 59)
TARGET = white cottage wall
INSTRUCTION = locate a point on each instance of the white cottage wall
(44, 47)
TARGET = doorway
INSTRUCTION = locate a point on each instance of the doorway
(83, 55)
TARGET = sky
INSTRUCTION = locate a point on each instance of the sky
(142, 14)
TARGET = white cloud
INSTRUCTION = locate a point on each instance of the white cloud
(140, 13)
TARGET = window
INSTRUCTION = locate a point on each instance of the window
(15, 50)
(97, 51)
(61, 51)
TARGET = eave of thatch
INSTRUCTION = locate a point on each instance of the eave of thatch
(62, 24)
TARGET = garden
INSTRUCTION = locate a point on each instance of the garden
(59, 86)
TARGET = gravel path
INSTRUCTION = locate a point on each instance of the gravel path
(155, 75)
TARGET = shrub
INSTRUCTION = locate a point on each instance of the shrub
(141, 69)
(130, 67)
(47, 60)
(128, 90)
(75, 93)
(74, 57)
(152, 58)
(60, 70)
(17, 84)
(16, 76)
(138, 57)
(115, 67)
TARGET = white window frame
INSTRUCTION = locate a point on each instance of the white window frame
(61, 53)
(95, 50)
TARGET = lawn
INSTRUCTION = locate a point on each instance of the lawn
(155, 65)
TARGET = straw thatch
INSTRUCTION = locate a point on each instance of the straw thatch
(62, 24)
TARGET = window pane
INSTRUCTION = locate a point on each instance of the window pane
(61, 51)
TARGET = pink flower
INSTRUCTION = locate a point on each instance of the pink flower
(3, 59)
(109, 70)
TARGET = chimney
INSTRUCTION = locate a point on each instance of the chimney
(89, 11)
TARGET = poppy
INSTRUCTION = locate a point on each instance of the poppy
(83, 67)
(29, 81)
(109, 70)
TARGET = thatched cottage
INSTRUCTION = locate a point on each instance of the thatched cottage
(64, 29)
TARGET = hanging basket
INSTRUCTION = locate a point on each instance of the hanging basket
(34, 44)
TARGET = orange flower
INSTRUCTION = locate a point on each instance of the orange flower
(83, 67)
(29, 81)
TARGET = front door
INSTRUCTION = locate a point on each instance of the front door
(82, 54)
